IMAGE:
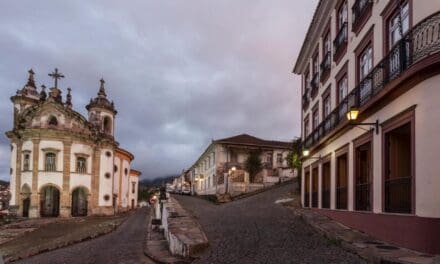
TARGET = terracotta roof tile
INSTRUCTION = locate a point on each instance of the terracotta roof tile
(245, 139)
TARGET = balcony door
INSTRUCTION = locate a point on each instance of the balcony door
(363, 177)
(342, 182)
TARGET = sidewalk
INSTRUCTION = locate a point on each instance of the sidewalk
(31, 237)
(361, 244)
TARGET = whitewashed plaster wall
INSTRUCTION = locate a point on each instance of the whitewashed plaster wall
(105, 185)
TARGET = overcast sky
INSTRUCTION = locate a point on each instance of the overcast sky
(181, 72)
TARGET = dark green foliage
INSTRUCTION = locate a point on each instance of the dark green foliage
(294, 158)
(253, 164)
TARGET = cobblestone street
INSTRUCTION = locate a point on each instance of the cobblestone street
(124, 245)
(255, 230)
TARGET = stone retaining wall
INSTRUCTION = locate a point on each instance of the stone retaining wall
(184, 235)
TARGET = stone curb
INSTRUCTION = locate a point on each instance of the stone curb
(9, 259)
(361, 244)
(153, 254)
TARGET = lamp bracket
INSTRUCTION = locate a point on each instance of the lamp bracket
(375, 125)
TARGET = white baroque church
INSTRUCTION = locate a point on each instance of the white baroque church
(64, 164)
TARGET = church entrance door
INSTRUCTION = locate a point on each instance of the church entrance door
(26, 204)
(79, 202)
(50, 202)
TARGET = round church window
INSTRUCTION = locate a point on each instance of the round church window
(106, 197)
(107, 175)
(108, 154)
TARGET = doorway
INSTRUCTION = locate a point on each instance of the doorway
(50, 202)
(79, 202)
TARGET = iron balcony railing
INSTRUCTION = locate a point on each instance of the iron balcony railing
(360, 9)
(341, 197)
(326, 198)
(398, 195)
(421, 41)
(314, 83)
(314, 199)
(325, 65)
(362, 195)
(306, 199)
(341, 39)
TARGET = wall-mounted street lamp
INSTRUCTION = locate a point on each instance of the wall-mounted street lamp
(353, 114)
(231, 170)
(306, 154)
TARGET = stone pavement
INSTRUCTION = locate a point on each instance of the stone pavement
(124, 245)
(256, 230)
(359, 243)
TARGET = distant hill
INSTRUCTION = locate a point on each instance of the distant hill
(4, 182)
(157, 182)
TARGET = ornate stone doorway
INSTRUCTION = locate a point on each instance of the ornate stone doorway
(50, 202)
(26, 200)
(79, 202)
(26, 205)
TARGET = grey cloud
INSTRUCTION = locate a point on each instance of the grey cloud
(180, 72)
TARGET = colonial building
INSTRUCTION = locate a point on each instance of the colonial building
(221, 167)
(370, 79)
(64, 164)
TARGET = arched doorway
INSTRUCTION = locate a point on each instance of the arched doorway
(50, 202)
(79, 202)
(26, 200)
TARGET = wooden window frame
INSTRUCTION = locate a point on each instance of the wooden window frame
(343, 49)
(307, 191)
(327, 33)
(360, 22)
(341, 74)
(367, 41)
(307, 126)
(315, 109)
(396, 121)
(388, 12)
(338, 153)
(315, 180)
(360, 141)
(326, 160)
(326, 95)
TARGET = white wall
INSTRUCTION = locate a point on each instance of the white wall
(80, 180)
(116, 186)
(134, 195)
(105, 185)
(12, 182)
(125, 183)
(426, 96)
(54, 178)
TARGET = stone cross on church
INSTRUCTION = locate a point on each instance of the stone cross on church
(56, 75)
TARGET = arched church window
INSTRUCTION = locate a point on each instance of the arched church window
(115, 168)
(126, 171)
(107, 125)
(53, 121)
(81, 165)
(26, 161)
(50, 162)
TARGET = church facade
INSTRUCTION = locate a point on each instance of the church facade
(64, 164)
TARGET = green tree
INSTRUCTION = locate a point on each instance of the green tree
(294, 159)
(253, 164)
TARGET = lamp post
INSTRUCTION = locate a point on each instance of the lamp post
(352, 116)
(231, 170)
